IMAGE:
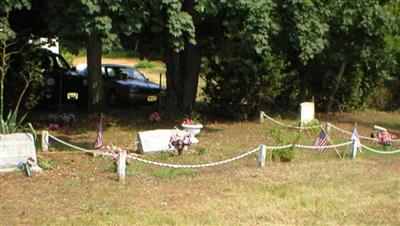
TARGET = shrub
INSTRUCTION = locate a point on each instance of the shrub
(15, 124)
(283, 155)
(237, 88)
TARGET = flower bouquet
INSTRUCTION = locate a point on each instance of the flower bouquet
(385, 138)
(154, 117)
(180, 141)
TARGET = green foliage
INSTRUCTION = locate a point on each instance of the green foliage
(68, 56)
(45, 164)
(242, 72)
(179, 24)
(256, 53)
(308, 30)
(320, 38)
(8, 5)
(281, 138)
(145, 64)
(283, 155)
(15, 124)
(24, 80)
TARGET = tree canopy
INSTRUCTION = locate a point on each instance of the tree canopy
(252, 54)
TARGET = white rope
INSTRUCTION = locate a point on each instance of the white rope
(325, 147)
(79, 148)
(68, 144)
(135, 157)
(203, 165)
(350, 133)
(279, 147)
(380, 152)
(362, 137)
(262, 114)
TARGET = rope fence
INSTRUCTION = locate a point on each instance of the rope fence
(263, 115)
(380, 152)
(203, 165)
(122, 156)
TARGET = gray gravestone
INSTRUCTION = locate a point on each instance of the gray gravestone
(15, 148)
(158, 140)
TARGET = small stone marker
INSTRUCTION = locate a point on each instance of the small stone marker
(16, 148)
(158, 140)
(307, 111)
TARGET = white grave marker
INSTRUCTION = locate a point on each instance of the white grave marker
(158, 140)
(307, 111)
(15, 148)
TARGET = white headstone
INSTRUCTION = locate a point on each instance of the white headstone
(16, 148)
(307, 111)
(158, 140)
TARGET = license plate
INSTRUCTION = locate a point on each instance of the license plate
(72, 96)
(151, 98)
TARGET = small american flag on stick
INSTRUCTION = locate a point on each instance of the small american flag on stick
(99, 139)
(322, 141)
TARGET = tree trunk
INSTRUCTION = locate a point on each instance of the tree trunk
(337, 86)
(173, 81)
(183, 73)
(191, 73)
(95, 87)
(3, 70)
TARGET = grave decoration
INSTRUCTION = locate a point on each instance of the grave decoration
(16, 148)
(180, 141)
(154, 117)
(111, 149)
(192, 126)
(385, 138)
(27, 166)
(160, 140)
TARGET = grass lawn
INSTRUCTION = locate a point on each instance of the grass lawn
(316, 188)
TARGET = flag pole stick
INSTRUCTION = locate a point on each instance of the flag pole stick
(329, 137)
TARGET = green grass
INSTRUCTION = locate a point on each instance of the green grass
(113, 54)
(145, 64)
(168, 173)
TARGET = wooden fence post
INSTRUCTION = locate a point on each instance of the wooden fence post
(45, 140)
(262, 154)
(354, 149)
(121, 165)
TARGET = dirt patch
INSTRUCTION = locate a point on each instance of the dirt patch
(123, 61)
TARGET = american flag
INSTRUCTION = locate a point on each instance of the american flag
(322, 141)
(99, 139)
